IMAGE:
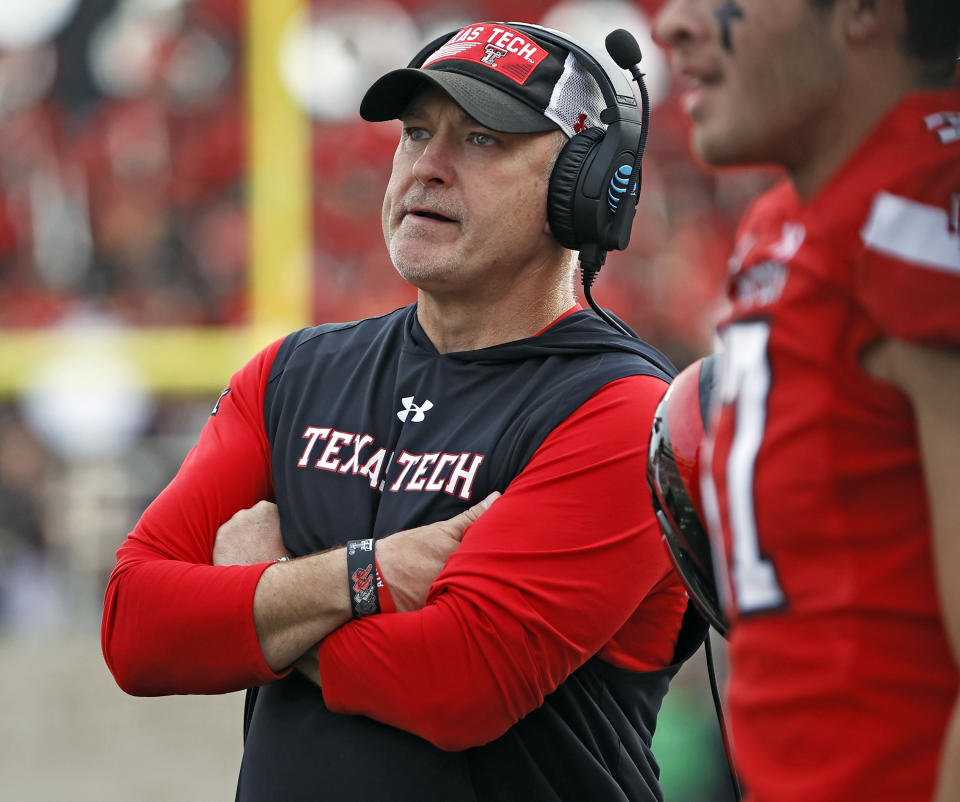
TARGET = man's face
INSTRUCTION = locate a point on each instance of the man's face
(465, 205)
(764, 77)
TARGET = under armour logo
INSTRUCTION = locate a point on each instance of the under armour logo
(493, 53)
(581, 125)
(418, 411)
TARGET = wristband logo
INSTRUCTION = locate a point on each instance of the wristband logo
(363, 581)
(364, 599)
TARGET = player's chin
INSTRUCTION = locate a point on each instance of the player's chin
(719, 147)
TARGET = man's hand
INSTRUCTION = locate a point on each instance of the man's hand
(299, 603)
(249, 537)
(412, 559)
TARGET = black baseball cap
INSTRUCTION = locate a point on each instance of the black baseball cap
(506, 79)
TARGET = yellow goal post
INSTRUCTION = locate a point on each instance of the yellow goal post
(199, 360)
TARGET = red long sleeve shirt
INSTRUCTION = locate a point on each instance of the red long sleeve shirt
(568, 563)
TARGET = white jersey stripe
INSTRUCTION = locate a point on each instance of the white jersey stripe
(912, 231)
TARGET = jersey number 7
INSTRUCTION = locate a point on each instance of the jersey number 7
(745, 383)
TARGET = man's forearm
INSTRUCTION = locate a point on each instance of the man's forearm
(298, 603)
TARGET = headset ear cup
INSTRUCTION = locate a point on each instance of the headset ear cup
(562, 193)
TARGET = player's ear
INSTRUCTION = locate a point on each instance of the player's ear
(863, 20)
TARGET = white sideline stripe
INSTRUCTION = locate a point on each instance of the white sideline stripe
(913, 232)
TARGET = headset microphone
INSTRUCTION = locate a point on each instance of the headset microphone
(625, 51)
(625, 184)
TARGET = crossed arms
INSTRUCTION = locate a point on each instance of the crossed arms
(523, 602)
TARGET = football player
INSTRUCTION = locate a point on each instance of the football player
(832, 468)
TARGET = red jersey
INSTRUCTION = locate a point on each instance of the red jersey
(842, 680)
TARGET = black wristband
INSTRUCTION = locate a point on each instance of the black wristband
(362, 578)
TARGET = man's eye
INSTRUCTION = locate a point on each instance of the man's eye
(412, 132)
(484, 140)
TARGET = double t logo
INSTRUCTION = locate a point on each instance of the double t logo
(492, 54)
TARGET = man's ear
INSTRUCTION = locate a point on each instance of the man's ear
(863, 20)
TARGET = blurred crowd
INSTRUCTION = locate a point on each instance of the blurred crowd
(123, 165)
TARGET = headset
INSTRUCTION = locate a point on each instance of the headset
(593, 190)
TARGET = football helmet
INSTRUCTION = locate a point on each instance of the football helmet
(673, 473)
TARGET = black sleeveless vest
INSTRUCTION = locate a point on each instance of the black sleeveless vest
(373, 431)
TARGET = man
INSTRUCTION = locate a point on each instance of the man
(534, 665)
(831, 487)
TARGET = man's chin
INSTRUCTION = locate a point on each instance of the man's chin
(708, 149)
(425, 273)
(719, 150)
(716, 151)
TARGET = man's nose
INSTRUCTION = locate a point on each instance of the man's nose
(435, 164)
(680, 21)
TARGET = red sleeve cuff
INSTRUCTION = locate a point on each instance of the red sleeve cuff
(383, 592)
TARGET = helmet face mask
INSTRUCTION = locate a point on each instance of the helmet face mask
(673, 475)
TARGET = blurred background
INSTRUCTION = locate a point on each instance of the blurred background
(182, 181)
